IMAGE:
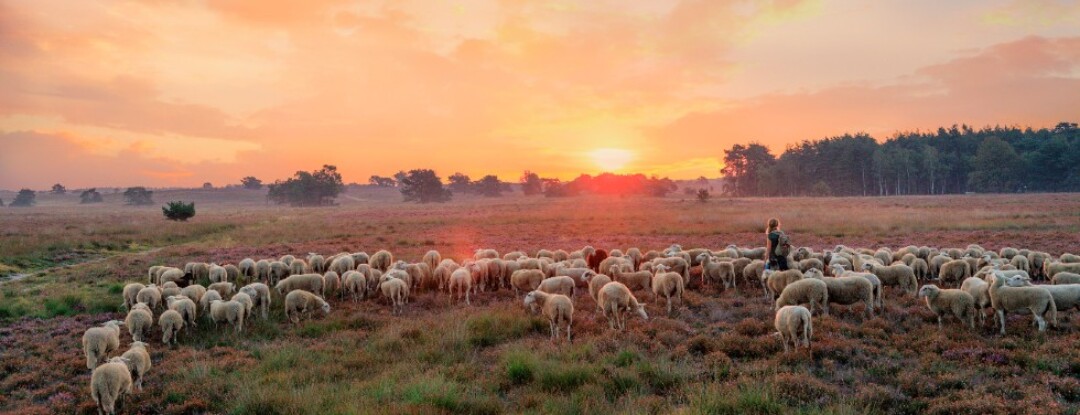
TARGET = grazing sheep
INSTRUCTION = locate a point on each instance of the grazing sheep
(622, 263)
(639, 280)
(362, 258)
(226, 289)
(342, 265)
(1065, 278)
(247, 267)
(596, 281)
(668, 285)
(200, 271)
(1037, 300)
(526, 280)
(231, 312)
(98, 342)
(1069, 258)
(356, 285)
(170, 274)
(185, 307)
(898, 275)
(312, 283)
(556, 307)
(137, 360)
(847, 290)
(260, 294)
(1059, 267)
(171, 323)
(262, 270)
(775, 281)
(432, 258)
(396, 290)
(1021, 263)
(169, 289)
(558, 255)
(635, 257)
(1066, 296)
(959, 302)
(807, 290)
(278, 271)
(979, 291)
(204, 302)
(246, 301)
(558, 285)
(811, 263)
(151, 296)
(131, 293)
(920, 268)
(461, 283)
(676, 264)
(232, 272)
(753, 253)
(717, 271)
(875, 282)
(332, 284)
(754, 271)
(615, 299)
(936, 262)
(794, 325)
(217, 273)
(108, 385)
(954, 271)
(153, 272)
(298, 266)
(139, 321)
(397, 272)
(514, 256)
(316, 263)
(1038, 262)
(381, 260)
(596, 260)
(287, 259)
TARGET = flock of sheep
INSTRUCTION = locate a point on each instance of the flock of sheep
(841, 276)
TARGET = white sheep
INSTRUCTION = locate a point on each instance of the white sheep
(558, 285)
(151, 296)
(185, 307)
(461, 283)
(805, 291)
(225, 289)
(194, 292)
(615, 299)
(231, 312)
(1066, 296)
(98, 342)
(717, 271)
(138, 362)
(243, 298)
(525, 280)
(300, 302)
(668, 284)
(109, 383)
(332, 284)
(316, 263)
(635, 280)
(979, 291)
(596, 282)
(396, 290)
(355, 285)
(139, 321)
(312, 283)
(957, 301)
(1037, 300)
(171, 323)
(898, 275)
(775, 281)
(1059, 267)
(217, 273)
(879, 299)
(794, 326)
(131, 293)
(260, 294)
(556, 307)
(342, 264)
(381, 260)
(1065, 278)
(847, 290)
(204, 302)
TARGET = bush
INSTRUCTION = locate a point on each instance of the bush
(702, 195)
(179, 211)
(423, 186)
(90, 196)
(138, 196)
(317, 188)
(531, 183)
(251, 183)
(489, 186)
(59, 189)
(26, 197)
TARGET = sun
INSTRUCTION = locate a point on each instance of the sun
(611, 159)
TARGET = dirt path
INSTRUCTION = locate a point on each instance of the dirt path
(21, 276)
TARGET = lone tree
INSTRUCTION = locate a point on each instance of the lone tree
(460, 183)
(178, 211)
(138, 196)
(251, 183)
(531, 183)
(423, 186)
(381, 181)
(26, 197)
(90, 196)
(489, 186)
(58, 189)
(316, 188)
(208, 186)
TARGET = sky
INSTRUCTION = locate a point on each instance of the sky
(168, 93)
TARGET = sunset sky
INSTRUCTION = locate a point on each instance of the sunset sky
(177, 93)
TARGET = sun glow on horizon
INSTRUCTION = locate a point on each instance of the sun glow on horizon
(611, 159)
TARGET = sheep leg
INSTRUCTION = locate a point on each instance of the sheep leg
(568, 324)
(551, 324)
(1000, 317)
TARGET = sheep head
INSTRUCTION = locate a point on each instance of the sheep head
(868, 266)
(586, 275)
(1018, 281)
(928, 290)
(814, 273)
(641, 312)
(325, 307)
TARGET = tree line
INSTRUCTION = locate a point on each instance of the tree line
(958, 159)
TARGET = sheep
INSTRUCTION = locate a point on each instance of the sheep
(558, 255)
(514, 256)
(342, 265)
(847, 289)
(139, 321)
(794, 325)
(936, 262)
(247, 267)
(754, 270)
(1038, 262)
(297, 266)
(300, 302)
(461, 282)
(362, 258)
(226, 289)
(718, 271)
(131, 292)
(556, 307)
(898, 275)
(151, 296)
(332, 284)
(278, 271)
(262, 270)
(1065, 278)
(200, 271)
(396, 290)
(634, 280)
(558, 285)
(316, 263)
(614, 299)
(169, 274)
(232, 273)
(153, 272)
(381, 260)
(260, 294)
(753, 253)
(1037, 300)
(308, 282)
(635, 257)
(1059, 267)
(562, 270)
(875, 282)
(676, 264)
(811, 263)
(217, 273)
(595, 281)
(432, 258)
(1066, 296)
(185, 307)
(109, 383)
(668, 285)
(1069, 258)
(204, 302)
(355, 285)
(959, 302)
(137, 360)
(525, 280)
(1021, 263)
(807, 290)
(169, 289)
(920, 268)
(194, 292)
(98, 342)
(775, 281)
(979, 291)
(171, 323)
(246, 300)
(231, 312)
(287, 259)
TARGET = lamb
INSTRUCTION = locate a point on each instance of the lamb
(217, 273)
(316, 263)
(846, 290)
(1037, 300)
(596, 281)
(151, 296)
(461, 282)
(260, 294)
(312, 283)
(957, 301)
(108, 385)
(718, 271)
(794, 326)
(171, 323)
(342, 265)
(525, 280)
(668, 285)
(137, 360)
(979, 291)
(204, 302)
(396, 290)
(139, 321)
(185, 307)
(556, 307)
(131, 293)
(98, 342)
(231, 312)
(807, 290)
(898, 275)
(355, 285)
(879, 299)
(558, 285)
(381, 260)
(775, 281)
(225, 289)
(1065, 278)
(1059, 267)
(614, 299)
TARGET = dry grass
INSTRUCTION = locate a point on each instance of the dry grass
(715, 355)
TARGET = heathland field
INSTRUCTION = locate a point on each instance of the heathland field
(64, 267)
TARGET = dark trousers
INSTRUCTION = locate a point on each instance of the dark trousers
(778, 263)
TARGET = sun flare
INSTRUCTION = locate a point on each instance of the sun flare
(611, 159)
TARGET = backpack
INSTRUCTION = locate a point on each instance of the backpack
(783, 245)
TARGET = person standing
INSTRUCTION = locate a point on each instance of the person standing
(774, 238)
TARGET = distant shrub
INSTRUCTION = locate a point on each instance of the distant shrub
(531, 183)
(208, 186)
(25, 198)
(251, 183)
(138, 196)
(489, 186)
(702, 195)
(59, 189)
(178, 211)
(90, 196)
(317, 188)
(423, 186)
